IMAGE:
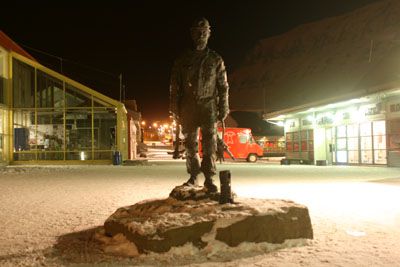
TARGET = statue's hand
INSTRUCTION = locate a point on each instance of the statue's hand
(175, 117)
(222, 115)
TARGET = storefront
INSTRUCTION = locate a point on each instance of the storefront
(47, 117)
(359, 131)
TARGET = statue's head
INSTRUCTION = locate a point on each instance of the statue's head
(200, 32)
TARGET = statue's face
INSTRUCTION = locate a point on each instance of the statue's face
(200, 37)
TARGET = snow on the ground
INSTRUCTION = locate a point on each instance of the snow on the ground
(48, 214)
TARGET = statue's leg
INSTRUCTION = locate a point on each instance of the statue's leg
(209, 145)
(192, 156)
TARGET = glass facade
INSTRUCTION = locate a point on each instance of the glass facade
(54, 120)
(379, 142)
(341, 140)
(363, 143)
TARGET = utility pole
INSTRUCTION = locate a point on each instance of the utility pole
(264, 100)
(120, 87)
(124, 92)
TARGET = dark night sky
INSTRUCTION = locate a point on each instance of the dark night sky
(140, 39)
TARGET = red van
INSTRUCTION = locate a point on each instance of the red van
(240, 143)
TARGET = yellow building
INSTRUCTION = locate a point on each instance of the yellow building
(46, 117)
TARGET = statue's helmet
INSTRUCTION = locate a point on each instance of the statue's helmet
(201, 23)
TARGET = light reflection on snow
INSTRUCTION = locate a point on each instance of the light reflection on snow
(355, 233)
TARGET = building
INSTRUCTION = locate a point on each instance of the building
(363, 130)
(46, 117)
(134, 128)
(334, 85)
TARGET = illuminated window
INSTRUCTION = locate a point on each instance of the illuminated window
(379, 142)
(341, 156)
(380, 157)
(366, 156)
(352, 130)
(366, 142)
(379, 127)
(353, 157)
(352, 143)
(341, 131)
(365, 129)
(341, 144)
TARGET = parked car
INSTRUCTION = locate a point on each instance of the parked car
(240, 143)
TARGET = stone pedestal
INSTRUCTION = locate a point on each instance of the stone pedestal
(158, 225)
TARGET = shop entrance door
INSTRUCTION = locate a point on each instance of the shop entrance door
(330, 145)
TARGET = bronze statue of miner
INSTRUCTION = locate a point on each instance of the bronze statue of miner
(199, 99)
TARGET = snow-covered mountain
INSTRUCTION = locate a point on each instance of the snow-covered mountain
(332, 59)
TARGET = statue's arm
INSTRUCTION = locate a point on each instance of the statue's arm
(223, 91)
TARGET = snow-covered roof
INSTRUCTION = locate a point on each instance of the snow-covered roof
(334, 59)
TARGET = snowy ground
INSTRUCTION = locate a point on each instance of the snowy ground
(48, 214)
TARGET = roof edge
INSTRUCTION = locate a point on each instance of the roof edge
(360, 93)
(10, 45)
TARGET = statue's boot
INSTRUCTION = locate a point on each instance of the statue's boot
(210, 186)
(191, 182)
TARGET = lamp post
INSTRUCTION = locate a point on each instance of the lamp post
(120, 87)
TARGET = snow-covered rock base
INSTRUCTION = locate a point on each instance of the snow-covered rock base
(162, 224)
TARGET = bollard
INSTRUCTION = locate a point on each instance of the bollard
(225, 185)
(117, 158)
